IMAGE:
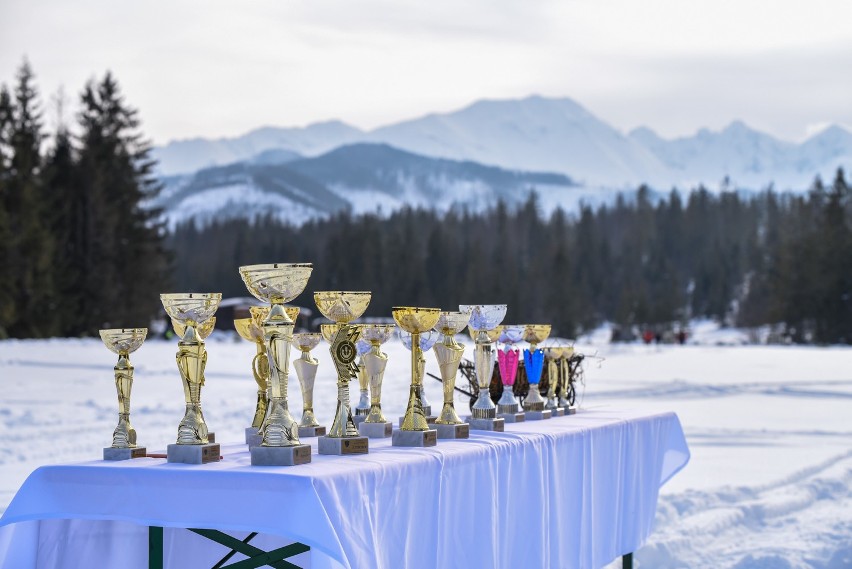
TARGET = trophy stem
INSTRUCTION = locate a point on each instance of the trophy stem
(415, 418)
(375, 362)
(552, 384)
(448, 354)
(260, 370)
(343, 353)
(124, 435)
(484, 408)
(191, 359)
(306, 372)
(278, 428)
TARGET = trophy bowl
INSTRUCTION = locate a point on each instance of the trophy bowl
(377, 334)
(451, 323)
(123, 340)
(493, 333)
(204, 329)
(306, 342)
(484, 316)
(191, 308)
(328, 331)
(415, 320)
(536, 333)
(276, 283)
(248, 329)
(512, 334)
(427, 339)
(342, 306)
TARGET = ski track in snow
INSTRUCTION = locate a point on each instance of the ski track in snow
(770, 430)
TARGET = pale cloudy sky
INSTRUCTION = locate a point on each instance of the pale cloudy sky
(220, 68)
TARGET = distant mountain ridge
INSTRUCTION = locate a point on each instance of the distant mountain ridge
(539, 134)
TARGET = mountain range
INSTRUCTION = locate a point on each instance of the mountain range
(472, 157)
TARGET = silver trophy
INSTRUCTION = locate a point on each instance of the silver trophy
(375, 425)
(448, 352)
(363, 408)
(427, 340)
(306, 370)
(507, 359)
(484, 320)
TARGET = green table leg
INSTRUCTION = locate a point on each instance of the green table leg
(627, 561)
(155, 547)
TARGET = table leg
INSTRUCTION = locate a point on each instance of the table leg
(627, 561)
(155, 547)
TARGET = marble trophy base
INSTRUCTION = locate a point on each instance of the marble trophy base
(253, 438)
(280, 456)
(376, 430)
(415, 438)
(193, 454)
(538, 415)
(459, 431)
(518, 417)
(111, 453)
(493, 424)
(430, 419)
(343, 445)
(317, 431)
(358, 419)
(558, 412)
(570, 410)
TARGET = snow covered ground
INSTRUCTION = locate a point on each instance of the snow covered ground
(770, 429)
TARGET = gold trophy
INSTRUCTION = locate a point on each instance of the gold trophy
(448, 352)
(533, 362)
(204, 330)
(363, 408)
(306, 371)
(484, 329)
(191, 313)
(123, 341)
(552, 355)
(427, 340)
(566, 384)
(250, 329)
(343, 307)
(278, 283)
(375, 425)
(415, 430)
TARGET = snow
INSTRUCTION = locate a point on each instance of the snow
(769, 429)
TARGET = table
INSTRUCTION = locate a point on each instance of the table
(574, 491)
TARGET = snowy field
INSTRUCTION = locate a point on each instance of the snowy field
(770, 429)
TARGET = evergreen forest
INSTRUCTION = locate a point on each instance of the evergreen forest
(81, 248)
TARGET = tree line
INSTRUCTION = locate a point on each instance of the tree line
(81, 247)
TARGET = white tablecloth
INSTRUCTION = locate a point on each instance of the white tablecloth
(575, 491)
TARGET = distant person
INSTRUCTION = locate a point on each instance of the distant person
(681, 337)
(647, 336)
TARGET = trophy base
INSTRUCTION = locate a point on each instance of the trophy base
(344, 445)
(558, 412)
(538, 415)
(459, 431)
(376, 430)
(111, 453)
(518, 417)
(570, 410)
(253, 438)
(280, 456)
(494, 424)
(415, 438)
(430, 419)
(311, 431)
(193, 454)
(358, 420)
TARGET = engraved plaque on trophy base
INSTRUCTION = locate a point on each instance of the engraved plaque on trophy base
(558, 412)
(538, 415)
(430, 419)
(344, 445)
(460, 431)
(415, 438)
(193, 454)
(359, 420)
(570, 410)
(280, 456)
(376, 430)
(494, 424)
(211, 438)
(513, 417)
(111, 453)
(311, 431)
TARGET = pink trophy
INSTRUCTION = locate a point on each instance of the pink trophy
(507, 360)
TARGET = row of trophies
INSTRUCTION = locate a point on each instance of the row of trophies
(273, 437)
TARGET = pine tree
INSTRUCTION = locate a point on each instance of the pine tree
(7, 304)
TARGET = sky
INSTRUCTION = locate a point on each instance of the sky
(219, 68)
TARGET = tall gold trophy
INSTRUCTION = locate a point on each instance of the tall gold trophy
(306, 371)
(427, 340)
(342, 307)
(278, 283)
(448, 352)
(204, 330)
(250, 329)
(533, 363)
(566, 384)
(123, 342)
(375, 426)
(484, 322)
(189, 313)
(552, 355)
(415, 430)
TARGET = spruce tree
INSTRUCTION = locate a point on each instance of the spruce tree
(7, 304)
